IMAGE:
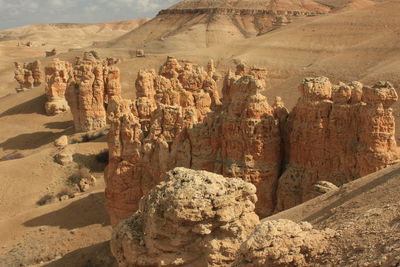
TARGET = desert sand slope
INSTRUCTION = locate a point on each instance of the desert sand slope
(365, 213)
(195, 24)
(359, 45)
(70, 34)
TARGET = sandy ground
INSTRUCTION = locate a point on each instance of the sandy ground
(359, 41)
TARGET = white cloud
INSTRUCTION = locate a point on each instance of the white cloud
(15, 13)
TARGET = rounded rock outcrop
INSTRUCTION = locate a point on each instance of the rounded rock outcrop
(193, 218)
(282, 243)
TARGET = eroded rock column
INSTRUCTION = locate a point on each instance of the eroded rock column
(57, 74)
(86, 93)
(336, 134)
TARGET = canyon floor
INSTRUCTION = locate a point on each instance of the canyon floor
(355, 43)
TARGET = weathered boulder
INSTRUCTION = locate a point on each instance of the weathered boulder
(57, 74)
(283, 243)
(61, 141)
(192, 218)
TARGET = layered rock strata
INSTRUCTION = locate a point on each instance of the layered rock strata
(57, 75)
(336, 134)
(192, 218)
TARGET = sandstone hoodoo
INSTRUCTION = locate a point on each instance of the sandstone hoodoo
(192, 128)
(179, 120)
(336, 134)
(193, 218)
(93, 82)
(142, 131)
(57, 75)
(28, 75)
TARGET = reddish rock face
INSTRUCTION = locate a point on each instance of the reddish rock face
(28, 75)
(112, 78)
(336, 134)
(143, 131)
(182, 123)
(94, 82)
(57, 75)
(241, 139)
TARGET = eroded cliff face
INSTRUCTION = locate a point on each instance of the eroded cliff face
(239, 139)
(57, 75)
(178, 120)
(143, 131)
(94, 81)
(193, 218)
(336, 134)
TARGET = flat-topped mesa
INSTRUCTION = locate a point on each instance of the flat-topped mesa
(241, 11)
(57, 75)
(28, 75)
(94, 82)
(336, 134)
(192, 218)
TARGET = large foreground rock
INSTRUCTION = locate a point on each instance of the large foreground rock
(193, 218)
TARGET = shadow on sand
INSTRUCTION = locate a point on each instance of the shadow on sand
(83, 212)
(89, 161)
(98, 255)
(35, 105)
(59, 125)
(30, 140)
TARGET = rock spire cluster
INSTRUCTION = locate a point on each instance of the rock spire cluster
(28, 75)
(335, 134)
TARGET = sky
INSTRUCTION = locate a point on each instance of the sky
(16, 13)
